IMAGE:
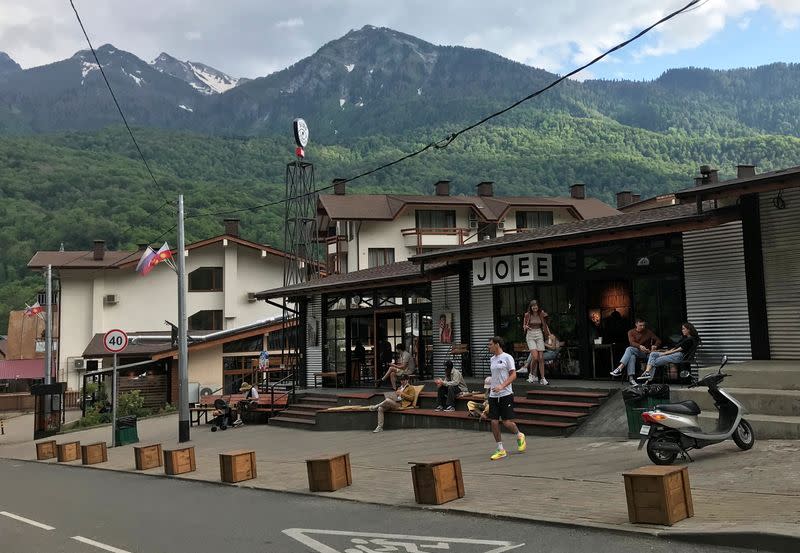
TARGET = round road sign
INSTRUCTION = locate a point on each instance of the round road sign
(115, 340)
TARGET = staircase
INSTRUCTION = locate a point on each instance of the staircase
(302, 413)
(769, 391)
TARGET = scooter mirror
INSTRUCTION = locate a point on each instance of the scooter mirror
(685, 374)
(724, 362)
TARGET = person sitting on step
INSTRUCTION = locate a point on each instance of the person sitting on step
(450, 388)
(477, 409)
(400, 398)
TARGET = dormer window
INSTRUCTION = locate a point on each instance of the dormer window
(534, 219)
(435, 218)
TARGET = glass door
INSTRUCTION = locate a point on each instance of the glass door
(389, 333)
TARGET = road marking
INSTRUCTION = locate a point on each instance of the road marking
(99, 545)
(26, 520)
(366, 542)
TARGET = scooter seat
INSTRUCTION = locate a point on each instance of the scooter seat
(687, 407)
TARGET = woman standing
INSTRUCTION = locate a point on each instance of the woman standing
(687, 344)
(534, 325)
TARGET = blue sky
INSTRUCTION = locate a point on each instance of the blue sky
(253, 38)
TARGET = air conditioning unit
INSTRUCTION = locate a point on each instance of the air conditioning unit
(473, 219)
(501, 225)
(79, 363)
(251, 297)
(111, 299)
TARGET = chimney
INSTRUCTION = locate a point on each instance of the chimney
(232, 227)
(636, 198)
(486, 188)
(698, 181)
(710, 175)
(442, 188)
(578, 191)
(624, 198)
(339, 187)
(744, 171)
(99, 250)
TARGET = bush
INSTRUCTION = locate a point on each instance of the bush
(132, 403)
(93, 417)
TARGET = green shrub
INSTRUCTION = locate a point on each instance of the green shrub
(132, 403)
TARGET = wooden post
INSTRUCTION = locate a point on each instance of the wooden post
(437, 482)
(91, 454)
(46, 450)
(658, 494)
(147, 456)
(179, 461)
(68, 451)
(328, 474)
(236, 466)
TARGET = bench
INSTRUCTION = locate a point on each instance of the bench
(196, 413)
(336, 376)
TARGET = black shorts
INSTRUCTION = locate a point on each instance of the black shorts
(501, 408)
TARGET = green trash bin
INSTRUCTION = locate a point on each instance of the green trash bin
(126, 433)
(634, 410)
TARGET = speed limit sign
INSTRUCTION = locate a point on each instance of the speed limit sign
(115, 340)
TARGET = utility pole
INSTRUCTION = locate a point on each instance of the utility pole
(48, 334)
(183, 349)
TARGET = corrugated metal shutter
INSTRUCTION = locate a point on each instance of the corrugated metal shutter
(482, 328)
(445, 298)
(716, 292)
(314, 352)
(780, 240)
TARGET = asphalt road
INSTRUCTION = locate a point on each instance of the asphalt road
(69, 510)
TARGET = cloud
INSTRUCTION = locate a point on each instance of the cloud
(744, 23)
(193, 35)
(290, 23)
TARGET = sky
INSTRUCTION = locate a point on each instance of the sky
(253, 38)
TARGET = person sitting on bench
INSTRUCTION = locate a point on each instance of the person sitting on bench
(450, 388)
(687, 344)
(481, 410)
(400, 398)
(250, 398)
(642, 342)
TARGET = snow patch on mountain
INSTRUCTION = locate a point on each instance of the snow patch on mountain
(199, 76)
(187, 108)
(138, 80)
(215, 80)
(342, 102)
(350, 67)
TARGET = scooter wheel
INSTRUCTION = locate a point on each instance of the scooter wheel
(223, 427)
(213, 428)
(658, 456)
(743, 436)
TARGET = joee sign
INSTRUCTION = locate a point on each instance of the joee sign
(527, 267)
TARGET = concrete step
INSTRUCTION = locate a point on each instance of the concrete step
(556, 405)
(298, 413)
(773, 375)
(304, 406)
(319, 398)
(292, 422)
(567, 395)
(759, 401)
(765, 427)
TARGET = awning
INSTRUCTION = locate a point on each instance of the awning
(11, 369)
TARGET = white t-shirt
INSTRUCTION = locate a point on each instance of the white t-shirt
(252, 393)
(502, 366)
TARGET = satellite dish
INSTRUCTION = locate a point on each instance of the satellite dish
(300, 132)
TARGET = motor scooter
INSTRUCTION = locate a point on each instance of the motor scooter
(673, 429)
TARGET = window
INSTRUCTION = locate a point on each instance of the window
(534, 219)
(434, 218)
(206, 320)
(206, 279)
(254, 343)
(335, 349)
(379, 256)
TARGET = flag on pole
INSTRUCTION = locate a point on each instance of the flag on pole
(163, 254)
(32, 310)
(144, 263)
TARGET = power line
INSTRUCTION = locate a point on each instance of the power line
(446, 141)
(119, 108)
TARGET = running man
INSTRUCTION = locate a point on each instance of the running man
(501, 397)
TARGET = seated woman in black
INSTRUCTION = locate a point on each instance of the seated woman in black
(687, 344)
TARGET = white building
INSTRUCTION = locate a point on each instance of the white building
(387, 228)
(100, 290)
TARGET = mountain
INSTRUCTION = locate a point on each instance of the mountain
(199, 76)
(7, 65)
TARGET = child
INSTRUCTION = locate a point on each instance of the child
(480, 409)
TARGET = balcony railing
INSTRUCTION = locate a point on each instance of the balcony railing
(420, 238)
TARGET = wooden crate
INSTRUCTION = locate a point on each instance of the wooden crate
(437, 482)
(147, 456)
(236, 466)
(328, 474)
(91, 454)
(68, 451)
(46, 450)
(658, 494)
(179, 461)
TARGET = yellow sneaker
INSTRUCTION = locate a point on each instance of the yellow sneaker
(499, 454)
(522, 445)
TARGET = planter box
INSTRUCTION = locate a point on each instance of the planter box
(179, 461)
(658, 494)
(92, 454)
(236, 466)
(46, 450)
(437, 482)
(147, 456)
(68, 451)
(328, 474)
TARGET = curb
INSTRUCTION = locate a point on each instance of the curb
(775, 542)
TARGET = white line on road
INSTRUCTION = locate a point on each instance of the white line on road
(26, 520)
(99, 545)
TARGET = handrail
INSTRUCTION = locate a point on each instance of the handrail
(290, 376)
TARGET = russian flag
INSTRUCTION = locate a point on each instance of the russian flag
(145, 263)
